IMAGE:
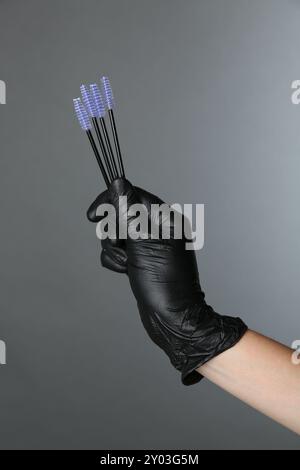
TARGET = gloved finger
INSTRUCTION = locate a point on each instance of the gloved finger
(110, 243)
(103, 198)
(114, 261)
(122, 187)
(147, 198)
(118, 254)
(123, 196)
(119, 187)
(165, 216)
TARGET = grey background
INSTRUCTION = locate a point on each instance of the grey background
(204, 115)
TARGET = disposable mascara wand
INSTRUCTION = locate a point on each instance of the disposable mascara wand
(93, 111)
(110, 102)
(85, 125)
(100, 108)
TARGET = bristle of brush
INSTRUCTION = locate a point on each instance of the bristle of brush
(88, 101)
(107, 92)
(82, 115)
(98, 100)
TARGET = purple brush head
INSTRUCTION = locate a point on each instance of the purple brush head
(82, 115)
(98, 100)
(88, 101)
(108, 94)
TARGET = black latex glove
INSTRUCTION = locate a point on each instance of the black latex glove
(164, 279)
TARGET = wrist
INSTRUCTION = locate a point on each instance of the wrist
(213, 334)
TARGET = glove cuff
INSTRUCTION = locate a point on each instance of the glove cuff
(227, 331)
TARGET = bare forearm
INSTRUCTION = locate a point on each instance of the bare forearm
(260, 372)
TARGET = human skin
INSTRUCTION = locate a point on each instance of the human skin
(260, 372)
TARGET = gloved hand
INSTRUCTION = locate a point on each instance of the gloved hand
(164, 279)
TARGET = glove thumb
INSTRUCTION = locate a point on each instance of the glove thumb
(119, 187)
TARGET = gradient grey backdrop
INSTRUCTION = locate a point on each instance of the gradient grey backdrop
(204, 115)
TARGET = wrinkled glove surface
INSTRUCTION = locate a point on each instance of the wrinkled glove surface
(164, 279)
